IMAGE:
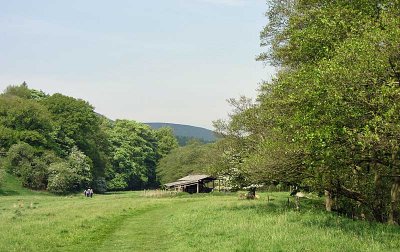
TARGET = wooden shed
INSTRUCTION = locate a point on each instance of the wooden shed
(192, 184)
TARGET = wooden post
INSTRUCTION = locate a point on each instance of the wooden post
(198, 186)
(219, 185)
(297, 202)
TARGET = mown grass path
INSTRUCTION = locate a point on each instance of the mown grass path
(143, 231)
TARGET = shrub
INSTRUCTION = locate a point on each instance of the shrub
(100, 185)
(23, 161)
(61, 178)
(34, 176)
(70, 175)
(19, 158)
(118, 182)
(81, 166)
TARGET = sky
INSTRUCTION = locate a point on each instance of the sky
(175, 61)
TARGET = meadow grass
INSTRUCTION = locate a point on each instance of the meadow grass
(208, 222)
(11, 186)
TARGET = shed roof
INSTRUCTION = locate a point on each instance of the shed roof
(195, 177)
(189, 180)
(180, 183)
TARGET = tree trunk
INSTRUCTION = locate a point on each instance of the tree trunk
(378, 209)
(297, 202)
(252, 193)
(328, 201)
(394, 213)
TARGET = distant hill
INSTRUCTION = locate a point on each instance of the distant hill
(187, 132)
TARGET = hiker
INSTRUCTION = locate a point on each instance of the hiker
(91, 192)
(85, 193)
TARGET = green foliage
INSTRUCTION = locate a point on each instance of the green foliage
(61, 178)
(118, 181)
(29, 164)
(24, 120)
(81, 166)
(76, 124)
(190, 159)
(166, 141)
(24, 92)
(23, 161)
(60, 143)
(134, 155)
(329, 121)
(185, 140)
(12, 186)
(100, 185)
(18, 156)
(186, 132)
(2, 174)
(21, 91)
(74, 120)
(70, 175)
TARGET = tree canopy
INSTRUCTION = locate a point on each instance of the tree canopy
(329, 120)
(61, 144)
(194, 158)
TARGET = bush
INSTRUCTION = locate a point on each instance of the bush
(29, 164)
(34, 176)
(61, 178)
(118, 182)
(81, 166)
(23, 161)
(71, 175)
(19, 158)
(100, 185)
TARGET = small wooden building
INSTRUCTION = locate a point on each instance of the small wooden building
(192, 184)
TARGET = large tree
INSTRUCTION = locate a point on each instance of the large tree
(24, 120)
(133, 155)
(329, 120)
(76, 124)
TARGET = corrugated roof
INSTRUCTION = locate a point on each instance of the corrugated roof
(180, 183)
(188, 180)
(194, 177)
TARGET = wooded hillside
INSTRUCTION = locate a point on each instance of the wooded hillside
(58, 143)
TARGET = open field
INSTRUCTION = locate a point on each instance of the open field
(130, 222)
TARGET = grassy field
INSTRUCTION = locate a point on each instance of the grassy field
(129, 221)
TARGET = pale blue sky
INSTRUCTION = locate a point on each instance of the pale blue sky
(151, 61)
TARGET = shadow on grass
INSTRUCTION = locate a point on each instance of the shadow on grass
(276, 205)
(255, 207)
(381, 232)
(314, 215)
(9, 192)
(114, 192)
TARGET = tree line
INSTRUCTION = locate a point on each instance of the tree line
(60, 144)
(329, 121)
